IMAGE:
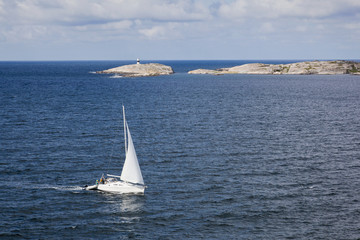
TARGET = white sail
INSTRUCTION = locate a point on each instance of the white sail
(131, 170)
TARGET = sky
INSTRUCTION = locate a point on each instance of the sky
(179, 29)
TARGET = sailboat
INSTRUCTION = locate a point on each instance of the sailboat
(130, 180)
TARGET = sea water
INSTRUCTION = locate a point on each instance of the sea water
(223, 157)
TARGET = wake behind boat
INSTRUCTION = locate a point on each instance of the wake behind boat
(130, 180)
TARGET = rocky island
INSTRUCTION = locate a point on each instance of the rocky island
(140, 70)
(312, 67)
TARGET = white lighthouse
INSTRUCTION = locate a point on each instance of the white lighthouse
(138, 61)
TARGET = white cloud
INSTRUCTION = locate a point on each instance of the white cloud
(21, 33)
(206, 22)
(156, 32)
(2, 9)
(161, 32)
(81, 11)
(289, 16)
(286, 8)
(234, 10)
(110, 26)
(103, 15)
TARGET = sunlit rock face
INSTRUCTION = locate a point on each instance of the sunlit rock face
(313, 67)
(140, 70)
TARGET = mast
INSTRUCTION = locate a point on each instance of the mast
(124, 130)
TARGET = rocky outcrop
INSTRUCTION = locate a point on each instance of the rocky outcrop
(140, 70)
(206, 71)
(313, 67)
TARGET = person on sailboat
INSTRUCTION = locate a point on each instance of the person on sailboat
(102, 180)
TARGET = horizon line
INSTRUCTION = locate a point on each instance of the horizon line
(147, 60)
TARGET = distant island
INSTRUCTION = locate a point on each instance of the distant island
(140, 70)
(312, 67)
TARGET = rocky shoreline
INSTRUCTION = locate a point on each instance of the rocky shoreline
(140, 70)
(312, 67)
(300, 68)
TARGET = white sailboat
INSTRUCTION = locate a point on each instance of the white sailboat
(130, 180)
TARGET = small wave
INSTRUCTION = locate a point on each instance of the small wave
(28, 185)
(116, 76)
(11, 235)
(92, 72)
(68, 188)
(57, 187)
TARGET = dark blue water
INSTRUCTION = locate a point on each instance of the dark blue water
(224, 157)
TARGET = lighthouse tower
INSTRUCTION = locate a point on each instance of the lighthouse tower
(138, 61)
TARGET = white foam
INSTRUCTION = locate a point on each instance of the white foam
(28, 185)
(67, 188)
(116, 76)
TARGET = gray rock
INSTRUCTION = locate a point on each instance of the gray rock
(313, 67)
(140, 70)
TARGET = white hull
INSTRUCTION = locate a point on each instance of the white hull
(93, 187)
(121, 187)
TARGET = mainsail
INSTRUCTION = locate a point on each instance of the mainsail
(131, 170)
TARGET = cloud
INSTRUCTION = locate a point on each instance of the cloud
(233, 10)
(287, 8)
(81, 11)
(163, 31)
(202, 22)
(156, 32)
(146, 17)
(289, 16)
(103, 12)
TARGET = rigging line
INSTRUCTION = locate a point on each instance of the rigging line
(112, 152)
(125, 124)
(111, 156)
